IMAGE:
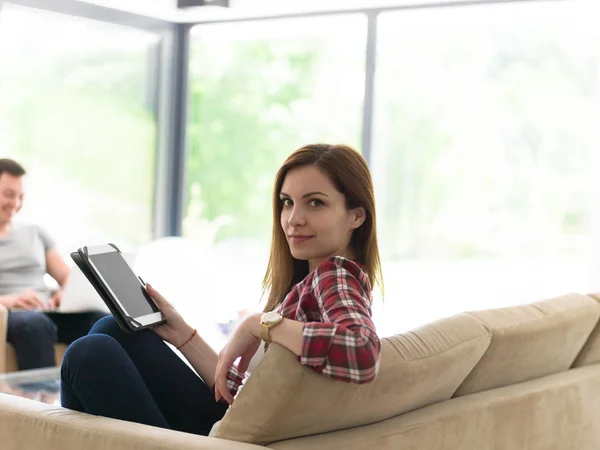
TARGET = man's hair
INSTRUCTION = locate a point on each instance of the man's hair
(12, 167)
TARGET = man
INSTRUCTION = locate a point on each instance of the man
(27, 253)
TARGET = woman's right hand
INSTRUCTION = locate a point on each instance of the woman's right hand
(175, 330)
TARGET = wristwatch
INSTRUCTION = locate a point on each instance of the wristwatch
(267, 321)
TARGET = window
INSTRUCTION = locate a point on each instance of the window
(259, 91)
(77, 111)
(485, 136)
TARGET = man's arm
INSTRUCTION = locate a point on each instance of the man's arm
(57, 267)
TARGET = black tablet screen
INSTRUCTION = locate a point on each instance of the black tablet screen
(123, 282)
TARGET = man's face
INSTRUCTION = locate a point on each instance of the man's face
(11, 197)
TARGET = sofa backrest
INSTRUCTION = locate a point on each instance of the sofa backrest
(283, 399)
(557, 412)
(532, 341)
(590, 353)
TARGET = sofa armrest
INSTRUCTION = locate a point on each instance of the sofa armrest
(28, 424)
(3, 330)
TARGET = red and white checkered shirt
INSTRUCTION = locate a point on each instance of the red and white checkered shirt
(339, 338)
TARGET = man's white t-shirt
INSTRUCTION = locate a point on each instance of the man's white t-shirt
(23, 260)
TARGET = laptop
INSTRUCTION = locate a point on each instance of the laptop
(79, 295)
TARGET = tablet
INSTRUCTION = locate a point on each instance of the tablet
(126, 290)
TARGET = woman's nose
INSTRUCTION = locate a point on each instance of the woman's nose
(296, 217)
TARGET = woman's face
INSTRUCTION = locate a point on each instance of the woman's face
(314, 217)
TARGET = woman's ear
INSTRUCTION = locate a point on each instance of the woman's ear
(358, 216)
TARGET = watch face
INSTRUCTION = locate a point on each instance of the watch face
(271, 317)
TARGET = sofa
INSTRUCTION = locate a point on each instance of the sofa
(524, 377)
(8, 357)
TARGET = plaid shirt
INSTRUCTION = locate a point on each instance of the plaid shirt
(339, 338)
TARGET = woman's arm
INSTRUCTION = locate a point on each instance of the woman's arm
(177, 332)
(243, 344)
(202, 358)
(345, 346)
(288, 333)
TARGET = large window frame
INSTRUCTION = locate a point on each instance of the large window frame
(168, 72)
(168, 93)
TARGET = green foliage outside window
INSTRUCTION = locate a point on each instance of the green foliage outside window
(251, 104)
(77, 112)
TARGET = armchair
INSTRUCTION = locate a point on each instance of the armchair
(8, 357)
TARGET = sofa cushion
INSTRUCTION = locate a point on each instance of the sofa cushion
(532, 341)
(29, 425)
(590, 353)
(283, 399)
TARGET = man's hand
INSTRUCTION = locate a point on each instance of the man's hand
(55, 300)
(28, 299)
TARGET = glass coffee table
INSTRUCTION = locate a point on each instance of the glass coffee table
(42, 385)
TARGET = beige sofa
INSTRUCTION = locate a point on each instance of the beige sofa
(8, 358)
(524, 377)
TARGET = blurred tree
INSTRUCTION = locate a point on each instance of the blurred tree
(83, 117)
(252, 103)
(487, 139)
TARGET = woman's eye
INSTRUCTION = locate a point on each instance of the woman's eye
(286, 202)
(315, 203)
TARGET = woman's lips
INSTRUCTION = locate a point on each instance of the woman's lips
(299, 239)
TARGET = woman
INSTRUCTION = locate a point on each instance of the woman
(324, 259)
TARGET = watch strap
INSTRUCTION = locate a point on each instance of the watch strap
(265, 330)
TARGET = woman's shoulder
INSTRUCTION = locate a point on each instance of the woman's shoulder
(339, 262)
(337, 269)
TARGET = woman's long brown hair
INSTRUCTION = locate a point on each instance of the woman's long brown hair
(349, 173)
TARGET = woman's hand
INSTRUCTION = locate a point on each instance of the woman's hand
(243, 343)
(175, 330)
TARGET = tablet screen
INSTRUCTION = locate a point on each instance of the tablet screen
(124, 283)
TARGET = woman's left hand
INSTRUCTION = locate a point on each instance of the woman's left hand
(243, 344)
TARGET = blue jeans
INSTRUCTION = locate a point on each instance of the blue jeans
(138, 378)
(34, 333)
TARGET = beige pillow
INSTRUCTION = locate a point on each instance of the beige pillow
(532, 341)
(590, 353)
(282, 399)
